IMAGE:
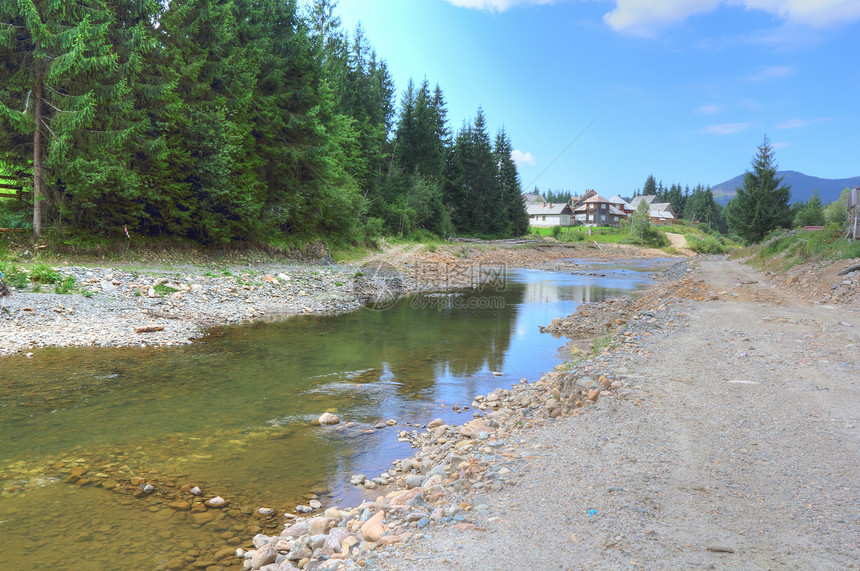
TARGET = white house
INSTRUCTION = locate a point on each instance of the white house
(548, 214)
(661, 212)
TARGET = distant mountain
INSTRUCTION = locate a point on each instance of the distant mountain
(802, 187)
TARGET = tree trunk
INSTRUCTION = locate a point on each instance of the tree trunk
(37, 161)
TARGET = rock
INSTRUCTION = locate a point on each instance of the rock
(216, 502)
(225, 552)
(328, 419)
(335, 538)
(315, 504)
(304, 509)
(721, 548)
(296, 530)
(374, 527)
(332, 513)
(180, 506)
(317, 525)
(414, 481)
(593, 394)
(265, 511)
(202, 518)
(148, 488)
(195, 490)
(264, 555)
(436, 423)
(357, 479)
(149, 329)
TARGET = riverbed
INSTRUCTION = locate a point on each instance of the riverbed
(86, 429)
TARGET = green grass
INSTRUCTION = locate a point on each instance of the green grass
(163, 290)
(783, 249)
(603, 235)
(601, 342)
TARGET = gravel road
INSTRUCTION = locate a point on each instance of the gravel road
(734, 443)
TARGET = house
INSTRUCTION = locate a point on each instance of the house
(548, 214)
(533, 197)
(594, 210)
(622, 205)
(661, 213)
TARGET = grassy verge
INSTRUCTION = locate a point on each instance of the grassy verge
(784, 249)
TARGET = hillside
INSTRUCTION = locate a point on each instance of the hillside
(802, 187)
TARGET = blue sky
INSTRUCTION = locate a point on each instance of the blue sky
(682, 89)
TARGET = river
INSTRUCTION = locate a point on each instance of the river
(84, 428)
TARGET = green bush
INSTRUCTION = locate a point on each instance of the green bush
(13, 275)
(707, 245)
(65, 285)
(556, 231)
(43, 274)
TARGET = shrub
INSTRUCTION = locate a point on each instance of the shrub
(556, 231)
(706, 245)
(43, 274)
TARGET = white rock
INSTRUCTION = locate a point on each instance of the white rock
(196, 491)
(328, 418)
(216, 502)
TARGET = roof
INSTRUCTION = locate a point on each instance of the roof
(544, 208)
(618, 200)
(649, 199)
(533, 197)
(595, 199)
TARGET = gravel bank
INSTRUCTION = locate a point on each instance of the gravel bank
(718, 430)
(152, 305)
(728, 439)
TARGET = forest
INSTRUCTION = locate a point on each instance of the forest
(233, 120)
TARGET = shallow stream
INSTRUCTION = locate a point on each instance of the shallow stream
(81, 430)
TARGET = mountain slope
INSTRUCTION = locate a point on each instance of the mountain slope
(802, 187)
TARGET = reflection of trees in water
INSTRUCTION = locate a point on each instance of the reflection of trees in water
(452, 340)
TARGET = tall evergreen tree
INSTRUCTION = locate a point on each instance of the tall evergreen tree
(517, 222)
(761, 204)
(60, 89)
(650, 187)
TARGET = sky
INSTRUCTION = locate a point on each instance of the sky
(598, 94)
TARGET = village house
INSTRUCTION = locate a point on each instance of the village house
(594, 210)
(661, 213)
(548, 214)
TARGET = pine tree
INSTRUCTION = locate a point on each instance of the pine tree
(60, 88)
(650, 187)
(761, 204)
(509, 181)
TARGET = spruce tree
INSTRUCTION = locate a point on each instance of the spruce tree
(509, 181)
(60, 89)
(761, 204)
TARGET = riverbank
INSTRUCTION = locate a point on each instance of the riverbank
(717, 427)
(158, 305)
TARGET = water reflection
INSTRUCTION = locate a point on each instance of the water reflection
(232, 413)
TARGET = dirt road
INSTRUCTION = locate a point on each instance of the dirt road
(733, 444)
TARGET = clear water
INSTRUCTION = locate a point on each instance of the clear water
(232, 414)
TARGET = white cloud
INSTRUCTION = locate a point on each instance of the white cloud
(495, 5)
(645, 17)
(772, 72)
(523, 159)
(726, 128)
(707, 110)
(795, 123)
